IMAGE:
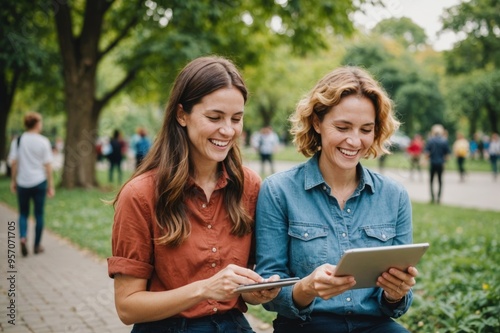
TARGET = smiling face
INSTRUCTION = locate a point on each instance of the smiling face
(214, 125)
(347, 132)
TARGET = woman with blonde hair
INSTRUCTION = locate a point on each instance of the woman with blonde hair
(183, 228)
(309, 215)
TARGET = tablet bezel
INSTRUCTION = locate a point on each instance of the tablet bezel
(367, 264)
(267, 285)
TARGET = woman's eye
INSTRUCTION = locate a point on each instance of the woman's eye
(366, 130)
(342, 129)
(236, 120)
(213, 118)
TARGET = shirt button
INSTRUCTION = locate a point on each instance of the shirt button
(344, 234)
(215, 309)
(348, 210)
(348, 299)
(214, 264)
(306, 235)
(324, 188)
(214, 249)
(204, 205)
(384, 236)
(209, 226)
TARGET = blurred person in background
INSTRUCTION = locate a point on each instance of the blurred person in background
(494, 153)
(31, 160)
(460, 149)
(437, 152)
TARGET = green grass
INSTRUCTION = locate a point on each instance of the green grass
(458, 289)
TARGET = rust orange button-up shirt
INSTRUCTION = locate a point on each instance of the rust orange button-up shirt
(209, 248)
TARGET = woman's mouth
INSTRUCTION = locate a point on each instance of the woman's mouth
(219, 143)
(349, 153)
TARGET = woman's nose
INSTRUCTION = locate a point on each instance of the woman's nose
(227, 130)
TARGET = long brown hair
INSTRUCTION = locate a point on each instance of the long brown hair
(169, 154)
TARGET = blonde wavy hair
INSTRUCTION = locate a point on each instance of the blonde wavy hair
(328, 92)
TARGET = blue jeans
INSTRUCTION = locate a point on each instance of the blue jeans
(494, 165)
(24, 195)
(230, 322)
(331, 323)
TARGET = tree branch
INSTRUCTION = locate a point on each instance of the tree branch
(124, 32)
(100, 103)
(118, 38)
(64, 27)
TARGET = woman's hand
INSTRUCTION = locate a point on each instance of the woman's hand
(396, 283)
(321, 283)
(222, 285)
(262, 296)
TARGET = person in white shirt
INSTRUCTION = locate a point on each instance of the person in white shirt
(31, 159)
(494, 152)
(266, 142)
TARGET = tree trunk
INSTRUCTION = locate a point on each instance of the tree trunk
(7, 91)
(80, 56)
(79, 154)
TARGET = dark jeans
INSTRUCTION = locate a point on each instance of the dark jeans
(461, 167)
(494, 164)
(436, 170)
(269, 159)
(112, 166)
(331, 323)
(229, 322)
(24, 196)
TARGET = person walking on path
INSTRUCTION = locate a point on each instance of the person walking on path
(141, 146)
(494, 153)
(437, 151)
(414, 150)
(182, 237)
(31, 160)
(118, 148)
(265, 142)
(461, 151)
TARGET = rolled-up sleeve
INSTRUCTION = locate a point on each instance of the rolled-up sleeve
(133, 235)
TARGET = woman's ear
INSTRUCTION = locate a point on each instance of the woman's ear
(181, 115)
(315, 124)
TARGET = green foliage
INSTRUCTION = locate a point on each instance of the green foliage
(404, 30)
(480, 20)
(458, 288)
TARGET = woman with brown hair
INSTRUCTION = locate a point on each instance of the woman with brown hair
(183, 227)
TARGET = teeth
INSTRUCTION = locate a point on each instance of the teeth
(219, 143)
(348, 152)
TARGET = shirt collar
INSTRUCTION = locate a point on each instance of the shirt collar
(222, 181)
(313, 176)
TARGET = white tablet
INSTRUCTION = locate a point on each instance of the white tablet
(367, 264)
(267, 285)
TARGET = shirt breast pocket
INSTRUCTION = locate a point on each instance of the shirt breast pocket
(308, 245)
(378, 235)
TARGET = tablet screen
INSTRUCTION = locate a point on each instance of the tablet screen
(367, 264)
(267, 285)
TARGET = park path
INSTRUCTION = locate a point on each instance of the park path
(66, 289)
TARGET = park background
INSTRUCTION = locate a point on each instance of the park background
(92, 66)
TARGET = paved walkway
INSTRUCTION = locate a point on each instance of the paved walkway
(68, 290)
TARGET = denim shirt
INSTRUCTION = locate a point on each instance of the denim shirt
(300, 226)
